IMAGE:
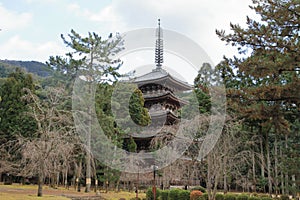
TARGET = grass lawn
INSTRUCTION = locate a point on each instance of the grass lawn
(29, 192)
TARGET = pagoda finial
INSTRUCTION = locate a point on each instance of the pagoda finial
(159, 46)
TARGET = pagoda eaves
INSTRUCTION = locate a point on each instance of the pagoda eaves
(162, 77)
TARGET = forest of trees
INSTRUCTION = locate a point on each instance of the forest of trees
(259, 147)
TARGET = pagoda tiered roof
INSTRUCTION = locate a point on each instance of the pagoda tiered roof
(166, 95)
(162, 77)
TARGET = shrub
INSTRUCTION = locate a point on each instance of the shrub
(254, 198)
(133, 198)
(242, 197)
(174, 194)
(195, 194)
(164, 195)
(204, 196)
(229, 197)
(219, 196)
(184, 195)
(284, 197)
(149, 194)
(266, 198)
(263, 195)
(202, 189)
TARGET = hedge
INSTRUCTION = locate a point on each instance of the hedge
(174, 194)
(284, 197)
(149, 194)
(184, 195)
(229, 197)
(266, 198)
(242, 197)
(254, 198)
(219, 196)
(164, 194)
(204, 196)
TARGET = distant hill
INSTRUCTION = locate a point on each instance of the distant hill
(38, 68)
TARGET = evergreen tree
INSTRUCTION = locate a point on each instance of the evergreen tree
(138, 113)
(13, 110)
(269, 76)
(202, 83)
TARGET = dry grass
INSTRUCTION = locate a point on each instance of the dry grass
(118, 195)
(25, 192)
(28, 192)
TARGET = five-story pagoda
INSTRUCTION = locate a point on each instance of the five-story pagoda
(159, 90)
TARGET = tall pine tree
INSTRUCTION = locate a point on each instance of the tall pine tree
(269, 90)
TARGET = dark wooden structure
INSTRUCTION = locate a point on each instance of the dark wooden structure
(159, 90)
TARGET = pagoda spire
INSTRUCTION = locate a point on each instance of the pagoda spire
(159, 47)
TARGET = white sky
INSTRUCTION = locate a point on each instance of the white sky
(31, 28)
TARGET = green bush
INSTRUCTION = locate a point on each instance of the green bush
(242, 197)
(219, 196)
(184, 195)
(202, 189)
(164, 194)
(174, 194)
(149, 194)
(254, 198)
(266, 198)
(284, 197)
(263, 195)
(229, 197)
(204, 196)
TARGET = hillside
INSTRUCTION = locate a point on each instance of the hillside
(38, 68)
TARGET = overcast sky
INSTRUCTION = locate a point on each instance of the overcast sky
(31, 28)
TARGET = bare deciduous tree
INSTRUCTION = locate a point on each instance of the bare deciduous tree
(50, 152)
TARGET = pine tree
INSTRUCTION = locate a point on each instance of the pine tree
(269, 75)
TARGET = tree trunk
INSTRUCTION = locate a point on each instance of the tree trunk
(225, 176)
(66, 178)
(57, 179)
(225, 183)
(40, 185)
(294, 191)
(253, 173)
(281, 174)
(209, 183)
(88, 156)
(276, 165)
(262, 160)
(286, 175)
(78, 175)
(268, 164)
